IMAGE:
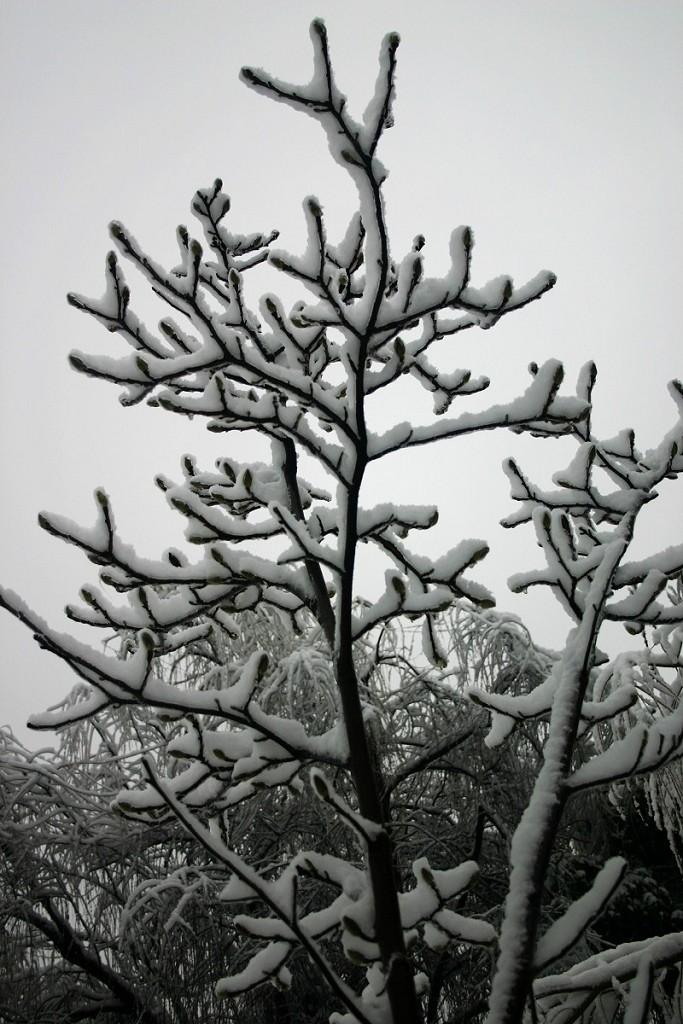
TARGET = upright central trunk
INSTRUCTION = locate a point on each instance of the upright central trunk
(367, 777)
(380, 855)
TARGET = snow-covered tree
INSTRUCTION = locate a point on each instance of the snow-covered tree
(308, 380)
(68, 865)
(102, 917)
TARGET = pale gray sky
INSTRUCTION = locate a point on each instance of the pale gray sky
(554, 128)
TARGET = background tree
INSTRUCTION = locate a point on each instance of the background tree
(70, 867)
(140, 930)
(308, 381)
(140, 902)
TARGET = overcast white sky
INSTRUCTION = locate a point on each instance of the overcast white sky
(554, 128)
